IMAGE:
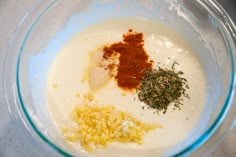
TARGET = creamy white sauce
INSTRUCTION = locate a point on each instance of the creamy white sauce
(162, 45)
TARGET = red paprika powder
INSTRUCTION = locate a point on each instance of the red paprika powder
(133, 60)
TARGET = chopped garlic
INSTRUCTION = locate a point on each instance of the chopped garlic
(99, 125)
(55, 85)
(89, 96)
(77, 95)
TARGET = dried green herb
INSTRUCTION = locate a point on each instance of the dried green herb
(160, 87)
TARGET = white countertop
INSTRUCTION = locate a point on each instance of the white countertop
(15, 141)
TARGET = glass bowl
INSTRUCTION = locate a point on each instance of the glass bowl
(204, 24)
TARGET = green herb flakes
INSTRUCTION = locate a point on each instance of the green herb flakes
(160, 87)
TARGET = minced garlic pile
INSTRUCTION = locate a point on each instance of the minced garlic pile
(99, 125)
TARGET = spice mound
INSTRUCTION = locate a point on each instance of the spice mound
(132, 68)
(96, 126)
(160, 87)
(133, 60)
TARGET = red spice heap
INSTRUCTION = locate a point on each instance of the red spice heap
(133, 60)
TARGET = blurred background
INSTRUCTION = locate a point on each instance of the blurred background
(15, 141)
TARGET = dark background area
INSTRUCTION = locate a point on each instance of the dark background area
(230, 7)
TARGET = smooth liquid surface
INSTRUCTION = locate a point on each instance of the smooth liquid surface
(163, 46)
